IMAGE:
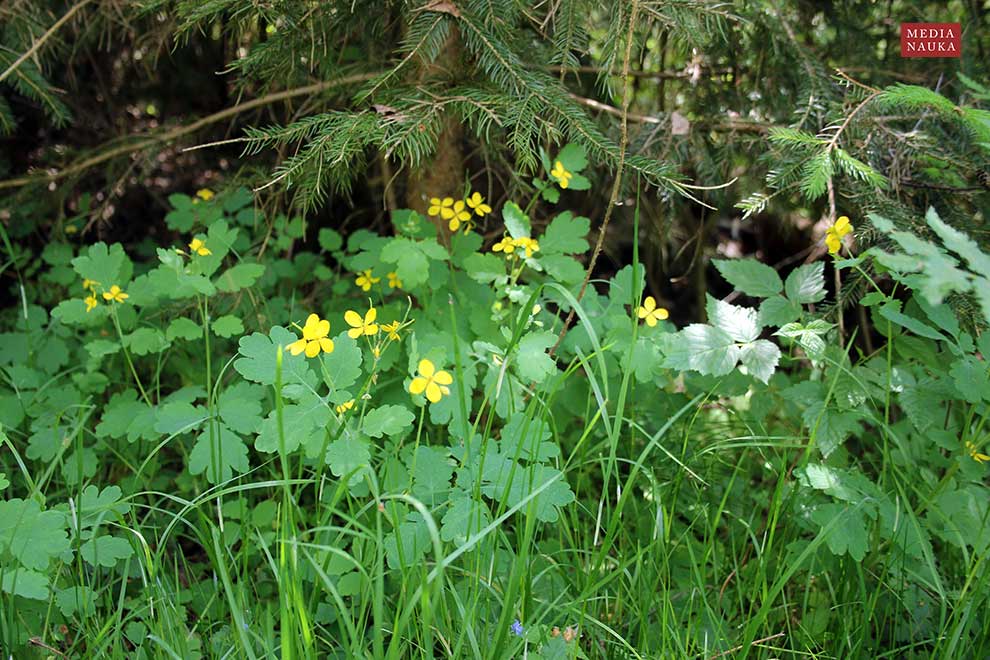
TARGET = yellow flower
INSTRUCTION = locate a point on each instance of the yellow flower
(344, 407)
(91, 303)
(477, 203)
(975, 454)
(835, 233)
(443, 208)
(460, 215)
(314, 338)
(205, 194)
(365, 279)
(562, 176)
(392, 329)
(529, 244)
(361, 326)
(89, 284)
(651, 312)
(115, 294)
(199, 247)
(505, 245)
(431, 381)
(393, 281)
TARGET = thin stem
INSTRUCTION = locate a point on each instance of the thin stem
(127, 355)
(616, 186)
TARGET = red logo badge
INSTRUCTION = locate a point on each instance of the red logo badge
(931, 40)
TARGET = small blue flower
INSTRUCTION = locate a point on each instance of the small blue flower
(517, 628)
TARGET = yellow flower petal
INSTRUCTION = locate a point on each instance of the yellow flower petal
(353, 319)
(442, 378)
(433, 392)
(417, 385)
(326, 345)
(297, 346)
(426, 368)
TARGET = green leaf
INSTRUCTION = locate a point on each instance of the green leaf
(220, 456)
(258, 354)
(32, 536)
(740, 323)
(806, 284)
(523, 437)
(465, 516)
(891, 312)
(298, 425)
(343, 366)
(73, 312)
(760, 358)
(183, 328)
(73, 600)
(25, 583)
(431, 473)
(409, 223)
(105, 551)
(573, 157)
(702, 348)
(484, 267)
(387, 420)
(348, 455)
(972, 378)
(532, 362)
(778, 311)
(565, 235)
(239, 277)
(118, 414)
(329, 239)
(96, 506)
(516, 221)
(408, 543)
(829, 427)
(833, 481)
(228, 326)
(43, 445)
(108, 266)
(564, 269)
(750, 276)
(179, 417)
(145, 341)
(977, 260)
(554, 497)
(239, 407)
(412, 259)
(849, 535)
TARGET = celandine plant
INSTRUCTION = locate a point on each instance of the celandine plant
(393, 447)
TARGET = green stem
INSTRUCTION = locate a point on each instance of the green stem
(127, 355)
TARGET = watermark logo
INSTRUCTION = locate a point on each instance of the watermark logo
(931, 40)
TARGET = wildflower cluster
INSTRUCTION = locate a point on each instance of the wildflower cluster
(525, 244)
(113, 294)
(457, 213)
(366, 279)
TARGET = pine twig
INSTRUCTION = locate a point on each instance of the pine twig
(43, 38)
(152, 139)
